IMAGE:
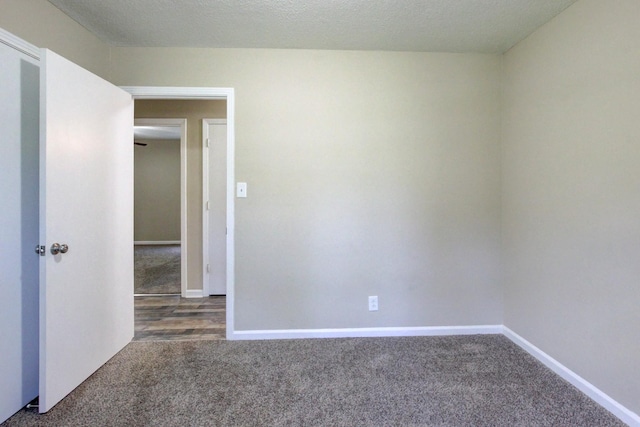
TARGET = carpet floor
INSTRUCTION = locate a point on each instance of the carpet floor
(416, 381)
(157, 269)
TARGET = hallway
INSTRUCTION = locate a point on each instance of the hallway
(173, 318)
(157, 269)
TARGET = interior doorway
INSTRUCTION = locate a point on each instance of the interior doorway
(196, 313)
(160, 256)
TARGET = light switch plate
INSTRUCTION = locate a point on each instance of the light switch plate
(241, 189)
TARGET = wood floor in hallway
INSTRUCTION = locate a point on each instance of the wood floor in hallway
(163, 318)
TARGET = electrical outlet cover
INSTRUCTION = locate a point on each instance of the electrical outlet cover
(373, 303)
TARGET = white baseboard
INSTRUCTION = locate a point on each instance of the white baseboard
(193, 293)
(364, 332)
(156, 242)
(577, 381)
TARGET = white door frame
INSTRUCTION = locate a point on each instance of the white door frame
(228, 94)
(205, 197)
(182, 123)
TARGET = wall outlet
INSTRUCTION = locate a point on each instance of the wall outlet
(373, 303)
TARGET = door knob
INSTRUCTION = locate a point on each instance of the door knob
(57, 248)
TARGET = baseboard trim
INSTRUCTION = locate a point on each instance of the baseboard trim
(364, 332)
(193, 293)
(576, 380)
(156, 242)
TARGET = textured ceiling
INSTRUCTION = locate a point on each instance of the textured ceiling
(485, 26)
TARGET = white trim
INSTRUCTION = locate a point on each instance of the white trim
(182, 123)
(576, 380)
(167, 92)
(366, 332)
(159, 92)
(157, 242)
(205, 197)
(231, 215)
(18, 44)
(192, 293)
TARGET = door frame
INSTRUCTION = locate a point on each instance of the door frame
(182, 123)
(205, 197)
(203, 93)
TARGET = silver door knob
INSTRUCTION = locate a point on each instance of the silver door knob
(57, 248)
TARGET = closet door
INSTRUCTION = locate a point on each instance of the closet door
(86, 225)
(19, 103)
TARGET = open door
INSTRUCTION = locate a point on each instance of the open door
(86, 225)
(214, 188)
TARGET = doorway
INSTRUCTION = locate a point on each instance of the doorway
(160, 207)
(194, 289)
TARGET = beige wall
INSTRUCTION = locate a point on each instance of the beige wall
(571, 193)
(369, 173)
(42, 24)
(157, 190)
(194, 111)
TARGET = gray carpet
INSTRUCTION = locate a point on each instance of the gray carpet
(423, 381)
(157, 269)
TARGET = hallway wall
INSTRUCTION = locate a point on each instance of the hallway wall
(156, 190)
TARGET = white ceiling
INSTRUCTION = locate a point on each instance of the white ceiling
(485, 26)
(156, 132)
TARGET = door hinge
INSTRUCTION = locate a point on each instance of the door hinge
(207, 206)
(40, 250)
(207, 143)
(208, 269)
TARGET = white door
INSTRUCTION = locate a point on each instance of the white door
(215, 213)
(86, 202)
(19, 77)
